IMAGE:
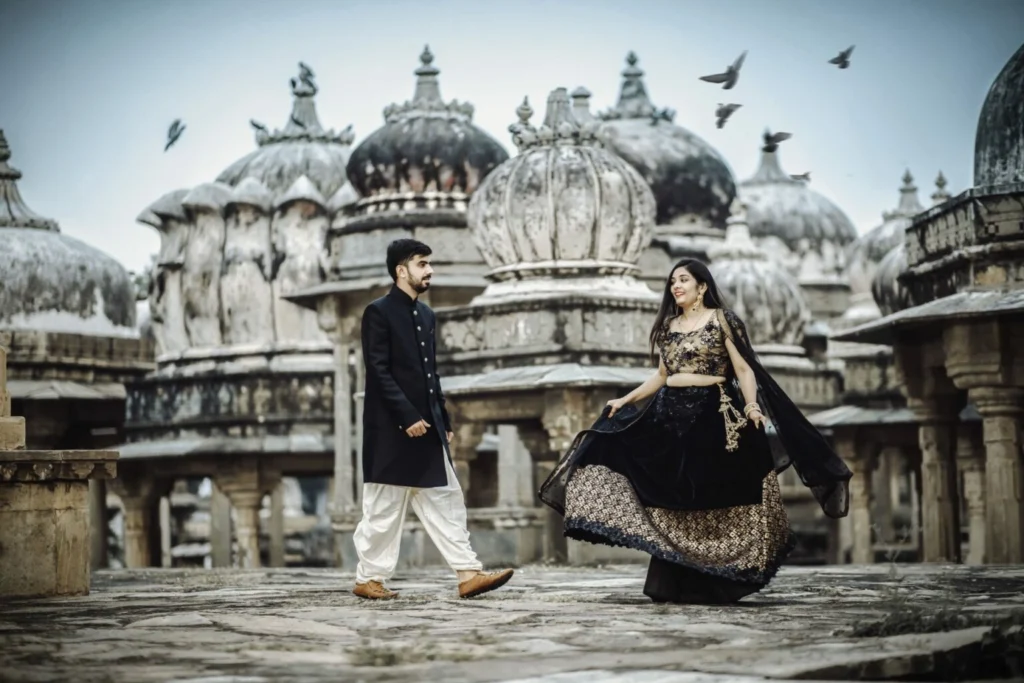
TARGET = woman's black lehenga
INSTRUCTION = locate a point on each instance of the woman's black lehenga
(686, 479)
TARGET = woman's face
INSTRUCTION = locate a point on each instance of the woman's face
(685, 288)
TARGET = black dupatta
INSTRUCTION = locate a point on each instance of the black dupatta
(798, 442)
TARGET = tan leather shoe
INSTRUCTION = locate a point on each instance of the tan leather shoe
(484, 582)
(374, 590)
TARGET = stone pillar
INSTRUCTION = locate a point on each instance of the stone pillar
(137, 491)
(1001, 410)
(220, 527)
(277, 526)
(344, 504)
(885, 488)
(164, 512)
(468, 435)
(554, 545)
(858, 458)
(515, 477)
(99, 524)
(245, 482)
(970, 459)
(358, 392)
(247, 526)
(937, 420)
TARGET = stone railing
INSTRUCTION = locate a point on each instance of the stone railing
(44, 510)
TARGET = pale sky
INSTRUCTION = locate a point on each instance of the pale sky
(89, 87)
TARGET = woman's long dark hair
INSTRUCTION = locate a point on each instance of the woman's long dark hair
(712, 298)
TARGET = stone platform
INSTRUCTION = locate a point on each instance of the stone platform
(549, 625)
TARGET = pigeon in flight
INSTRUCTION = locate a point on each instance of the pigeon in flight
(731, 75)
(173, 133)
(724, 111)
(806, 177)
(772, 140)
(842, 60)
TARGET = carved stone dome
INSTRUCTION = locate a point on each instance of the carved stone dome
(564, 207)
(999, 140)
(425, 145)
(52, 282)
(302, 148)
(864, 254)
(692, 183)
(761, 291)
(889, 294)
(800, 227)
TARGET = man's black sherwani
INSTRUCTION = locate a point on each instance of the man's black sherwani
(402, 388)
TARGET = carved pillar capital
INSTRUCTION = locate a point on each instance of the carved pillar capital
(997, 401)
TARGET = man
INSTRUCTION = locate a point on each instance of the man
(406, 437)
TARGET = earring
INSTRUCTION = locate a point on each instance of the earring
(698, 303)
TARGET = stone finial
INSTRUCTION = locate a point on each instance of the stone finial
(738, 244)
(560, 126)
(909, 204)
(940, 195)
(633, 102)
(426, 99)
(303, 123)
(581, 105)
(14, 213)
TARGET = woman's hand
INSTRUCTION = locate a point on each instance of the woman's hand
(616, 404)
(689, 379)
(757, 418)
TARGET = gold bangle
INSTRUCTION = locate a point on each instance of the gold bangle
(751, 407)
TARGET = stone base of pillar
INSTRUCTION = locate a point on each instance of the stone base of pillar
(45, 529)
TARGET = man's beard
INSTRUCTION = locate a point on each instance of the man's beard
(421, 285)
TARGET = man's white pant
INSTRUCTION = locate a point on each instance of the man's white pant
(442, 511)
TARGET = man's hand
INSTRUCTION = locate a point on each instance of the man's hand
(418, 429)
(450, 435)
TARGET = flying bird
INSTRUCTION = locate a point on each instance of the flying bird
(724, 111)
(772, 140)
(731, 75)
(842, 60)
(173, 133)
(806, 177)
(257, 125)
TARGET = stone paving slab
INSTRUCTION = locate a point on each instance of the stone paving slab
(549, 625)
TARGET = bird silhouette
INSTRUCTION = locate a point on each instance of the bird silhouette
(842, 60)
(257, 125)
(772, 140)
(731, 75)
(173, 133)
(723, 112)
(806, 177)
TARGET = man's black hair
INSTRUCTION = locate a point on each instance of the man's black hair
(400, 252)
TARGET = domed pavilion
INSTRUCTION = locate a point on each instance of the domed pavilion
(244, 389)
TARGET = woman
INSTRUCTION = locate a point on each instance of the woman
(682, 468)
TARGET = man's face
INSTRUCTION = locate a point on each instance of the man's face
(417, 273)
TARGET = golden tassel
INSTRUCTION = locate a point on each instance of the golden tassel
(734, 421)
